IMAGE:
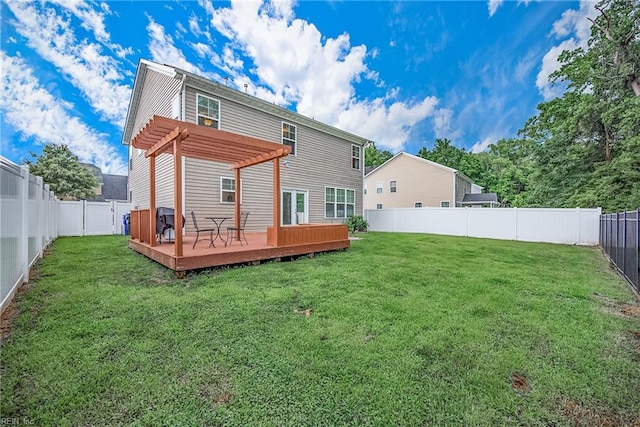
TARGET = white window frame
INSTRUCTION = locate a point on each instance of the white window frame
(336, 203)
(379, 206)
(223, 191)
(379, 188)
(443, 202)
(393, 186)
(365, 189)
(417, 204)
(293, 143)
(356, 161)
(215, 120)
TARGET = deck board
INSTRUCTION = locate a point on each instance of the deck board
(204, 256)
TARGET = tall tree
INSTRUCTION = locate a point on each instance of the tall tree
(375, 157)
(589, 150)
(60, 168)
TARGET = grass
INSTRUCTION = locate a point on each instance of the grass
(403, 330)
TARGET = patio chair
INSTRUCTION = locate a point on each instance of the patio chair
(231, 230)
(201, 230)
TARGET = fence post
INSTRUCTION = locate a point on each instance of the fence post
(23, 240)
(579, 225)
(624, 241)
(39, 193)
(515, 210)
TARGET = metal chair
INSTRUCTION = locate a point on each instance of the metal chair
(201, 230)
(232, 230)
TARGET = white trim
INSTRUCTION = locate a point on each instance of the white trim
(360, 157)
(335, 203)
(198, 95)
(159, 68)
(282, 138)
(293, 202)
(228, 191)
(411, 156)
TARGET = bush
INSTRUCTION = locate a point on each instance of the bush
(357, 223)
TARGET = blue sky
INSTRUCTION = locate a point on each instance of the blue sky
(401, 73)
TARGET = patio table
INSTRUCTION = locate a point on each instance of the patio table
(217, 220)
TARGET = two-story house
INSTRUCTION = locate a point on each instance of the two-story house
(408, 181)
(321, 180)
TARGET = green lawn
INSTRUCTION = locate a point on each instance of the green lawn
(404, 330)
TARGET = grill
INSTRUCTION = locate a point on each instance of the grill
(165, 223)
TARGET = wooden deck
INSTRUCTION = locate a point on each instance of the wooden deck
(310, 239)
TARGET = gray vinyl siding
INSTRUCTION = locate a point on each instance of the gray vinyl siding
(159, 91)
(462, 187)
(322, 160)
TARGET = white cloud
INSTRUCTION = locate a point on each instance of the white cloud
(164, 51)
(493, 6)
(480, 146)
(50, 33)
(442, 122)
(297, 65)
(575, 28)
(36, 113)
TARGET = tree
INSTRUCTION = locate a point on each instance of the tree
(60, 168)
(375, 157)
(589, 138)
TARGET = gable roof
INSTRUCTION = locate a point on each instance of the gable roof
(224, 92)
(411, 156)
(429, 162)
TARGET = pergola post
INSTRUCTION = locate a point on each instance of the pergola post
(177, 194)
(237, 204)
(276, 200)
(152, 200)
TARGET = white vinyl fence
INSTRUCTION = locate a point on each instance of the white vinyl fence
(31, 217)
(567, 226)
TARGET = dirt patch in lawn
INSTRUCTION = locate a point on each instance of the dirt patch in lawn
(579, 415)
(618, 308)
(519, 382)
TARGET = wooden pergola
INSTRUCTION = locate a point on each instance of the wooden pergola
(162, 135)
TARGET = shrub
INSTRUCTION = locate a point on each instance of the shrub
(357, 223)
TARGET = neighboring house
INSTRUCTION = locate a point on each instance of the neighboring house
(111, 188)
(480, 200)
(321, 180)
(408, 181)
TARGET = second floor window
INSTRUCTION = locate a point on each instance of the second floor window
(392, 186)
(355, 157)
(289, 136)
(379, 189)
(208, 111)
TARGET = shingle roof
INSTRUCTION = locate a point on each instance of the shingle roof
(480, 198)
(115, 187)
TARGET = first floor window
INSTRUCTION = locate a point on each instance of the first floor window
(417, 204)
(379, 206)
(339, 202)
(444, 204)
(228, 190)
